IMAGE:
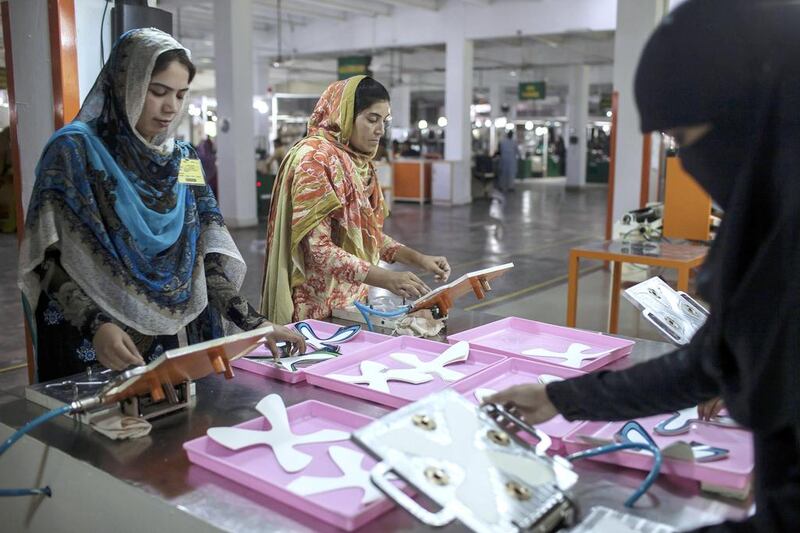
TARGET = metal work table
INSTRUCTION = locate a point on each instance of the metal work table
(157, 465)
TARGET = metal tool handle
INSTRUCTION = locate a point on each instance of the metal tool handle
(379, 478)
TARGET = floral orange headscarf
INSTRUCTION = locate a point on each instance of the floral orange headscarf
(321, 177)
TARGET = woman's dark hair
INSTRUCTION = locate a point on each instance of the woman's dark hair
(166, 58)
(369, 92)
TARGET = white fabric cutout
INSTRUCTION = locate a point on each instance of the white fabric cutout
(375, 376)
(475, 464)
(349, 462)
(285, 363)
(457, 353)
(574, 356)
(482, 394)
(544, 379)
(341, 336)
(280, 438)
(704, 453)
(681, 422)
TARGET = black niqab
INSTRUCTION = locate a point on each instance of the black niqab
(735, 64)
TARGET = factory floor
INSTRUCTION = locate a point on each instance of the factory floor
(534, 227)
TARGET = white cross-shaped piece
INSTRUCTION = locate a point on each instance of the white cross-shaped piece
(280, 438)
(457, 353)
(574, 355)
(349, 462)
(376, 375)
(476, 464)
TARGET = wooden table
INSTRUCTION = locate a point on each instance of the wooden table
(681, 257)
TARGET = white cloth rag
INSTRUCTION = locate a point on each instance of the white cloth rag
(419, 324)
(117, 426)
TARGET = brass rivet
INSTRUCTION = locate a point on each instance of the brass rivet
(437, 476)
(424, 422)
(498, 437)
(517, 491)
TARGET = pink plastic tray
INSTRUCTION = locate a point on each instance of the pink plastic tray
(256, 467)
(517, 372)
(363, 340)
(733, 472)
(400, 393)
(511, 336)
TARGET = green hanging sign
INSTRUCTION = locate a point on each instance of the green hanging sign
(532, 90)
(353, 66)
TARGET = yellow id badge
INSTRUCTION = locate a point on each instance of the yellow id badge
(191, 172)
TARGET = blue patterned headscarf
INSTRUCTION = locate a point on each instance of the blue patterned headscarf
(129, 234)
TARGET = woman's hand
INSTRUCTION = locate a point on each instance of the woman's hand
(295, 341)
(437, 265)
(531, 402)
(710, 409)
(114, 348)
(405, 284)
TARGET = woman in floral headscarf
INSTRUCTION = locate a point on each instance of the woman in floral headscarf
(325, 235)
(121, 254)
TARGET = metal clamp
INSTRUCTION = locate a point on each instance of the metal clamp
(379, 478)
(674, 336)
(511, 422)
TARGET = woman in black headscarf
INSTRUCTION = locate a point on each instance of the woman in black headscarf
(722, 77)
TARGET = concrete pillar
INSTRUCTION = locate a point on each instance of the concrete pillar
(457, 101)
(233, 44)
(89, 14)
(578, 111)
(401, 106)
(636, 20)
(496, 101)
(33, 85)
(261, 116)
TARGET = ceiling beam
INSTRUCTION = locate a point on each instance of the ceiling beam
(355, 7)
(315, 12)
(204, 11)
(430, 5)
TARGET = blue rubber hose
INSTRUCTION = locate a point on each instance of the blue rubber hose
(366, 310)
(18, 435)
(610, 448)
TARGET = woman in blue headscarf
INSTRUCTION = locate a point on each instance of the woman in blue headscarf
(123, 250)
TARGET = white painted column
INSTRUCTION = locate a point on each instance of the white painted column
(33, 85)
(457, 101)
(261, 121)
(233, 44)
(401, 106)
(495, 101)
(636, 20)
(578, 111)
(89, 14)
